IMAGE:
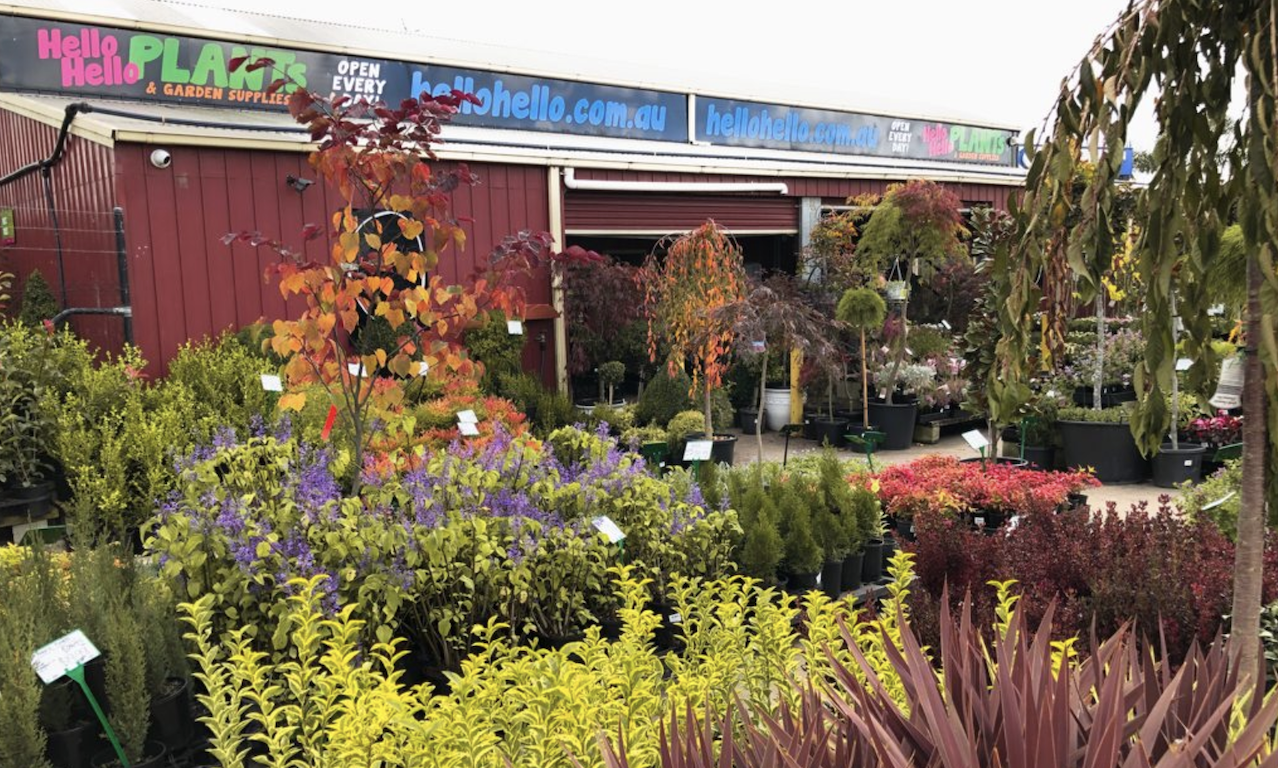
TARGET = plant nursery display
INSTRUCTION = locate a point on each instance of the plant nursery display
(917, 226)
(700, 272)
(366, 536)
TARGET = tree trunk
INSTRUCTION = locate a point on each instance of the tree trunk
(865, 386)
(709, 411)
(1248, 557)
(1099, 383)
(899, 357)
(1175, 382)
(763, 388)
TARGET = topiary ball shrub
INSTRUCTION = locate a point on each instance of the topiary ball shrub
(664, 397)
(861, 308)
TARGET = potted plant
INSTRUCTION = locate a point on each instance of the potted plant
(611, 374)
(761, 546)
(701, 272)
(1102, 440)
(769, 321)
(803, 556)
(862, 309)
(26, 427)
(917, 227)
(1033, 439)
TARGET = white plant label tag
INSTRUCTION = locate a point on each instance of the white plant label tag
(676, 618)
(1189, 462)
(1229, 388)
(697, 450)
(946, 324)
(423, 368)
(468, 429)
(608, 528)
(1184, 364)
(272, 383)
(356, 369)
(1221, 500)
(515, 327)
(63, 655)
(980, 522)
(467, 417)
(975, 439)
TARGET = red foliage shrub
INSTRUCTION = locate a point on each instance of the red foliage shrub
(1151, 567)
(943, 485)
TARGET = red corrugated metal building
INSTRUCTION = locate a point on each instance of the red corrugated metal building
(165, 158)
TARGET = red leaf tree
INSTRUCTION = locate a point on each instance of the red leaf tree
(701, 272)
(387, 241)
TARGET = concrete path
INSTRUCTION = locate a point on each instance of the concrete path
(951, 445)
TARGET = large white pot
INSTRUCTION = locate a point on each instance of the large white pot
(776, 408)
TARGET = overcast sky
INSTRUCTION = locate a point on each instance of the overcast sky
(997, 60)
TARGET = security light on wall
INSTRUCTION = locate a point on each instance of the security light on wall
(297, 183)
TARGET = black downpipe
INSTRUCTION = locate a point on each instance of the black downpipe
(122, 265)
(47, 175)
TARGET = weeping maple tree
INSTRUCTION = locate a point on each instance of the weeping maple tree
(386, 244)
(916, 228)
(1209, 169)
(701, 273)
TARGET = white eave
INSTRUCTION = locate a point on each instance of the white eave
(248, 129)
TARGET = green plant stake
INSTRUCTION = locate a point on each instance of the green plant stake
(76, 673)
(67, 656)
(867, 441)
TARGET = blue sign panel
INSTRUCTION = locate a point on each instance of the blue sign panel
(560, 106)
(775, 126)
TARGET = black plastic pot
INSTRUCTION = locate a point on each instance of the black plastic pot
(156, 756)
(988, 520)
(71, 748)
(724, 449)
(852, 571)
(889, 551)
(1111, 395)
(897, 423)
(829, 431)
(810, 425)
(748, 419)
(872, 563)
(37, 492)
(171, 717)
(1040, 457)
(832, 578)
(1173, 466)
(1109, 449)
(1007, 461)
(801, 583)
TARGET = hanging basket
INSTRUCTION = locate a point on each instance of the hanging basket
(897, 290)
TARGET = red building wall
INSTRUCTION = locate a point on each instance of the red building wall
(84, 196)
(188, 284)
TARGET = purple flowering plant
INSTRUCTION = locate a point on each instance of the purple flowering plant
(500, 530)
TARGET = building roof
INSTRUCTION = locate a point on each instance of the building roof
(184, 125)
(194, 18)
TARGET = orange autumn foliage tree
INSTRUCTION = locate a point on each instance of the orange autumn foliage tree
(386, 245)
(701, 273)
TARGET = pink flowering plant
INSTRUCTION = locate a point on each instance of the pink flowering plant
(1221, 429)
